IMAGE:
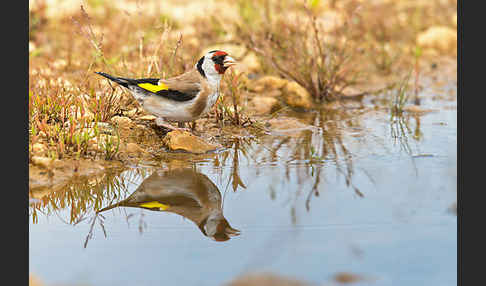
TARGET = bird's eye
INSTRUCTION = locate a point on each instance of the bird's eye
(218, 59)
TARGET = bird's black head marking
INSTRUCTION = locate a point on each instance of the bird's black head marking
(199, 67)
(218, 59)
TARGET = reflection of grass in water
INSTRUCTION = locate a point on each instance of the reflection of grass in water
(314, 152)
(89, 195)
(317, 151)
(98, 217)
(238, 146)
(307, 156)
(399, 132)
(86, 195)
(310, 151)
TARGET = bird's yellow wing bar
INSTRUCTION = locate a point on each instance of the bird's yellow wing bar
(154, 204)
(153, 87)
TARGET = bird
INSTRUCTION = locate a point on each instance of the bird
(185, 192)
(182, 98)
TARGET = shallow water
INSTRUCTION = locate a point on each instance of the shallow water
(361, 194)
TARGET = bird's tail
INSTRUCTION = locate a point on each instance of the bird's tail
(121, 81)
(119, 204)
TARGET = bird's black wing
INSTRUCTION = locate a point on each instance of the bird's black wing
(126, 82)
(177, 95)
(171, 89)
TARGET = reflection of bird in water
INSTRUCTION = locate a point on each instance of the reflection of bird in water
(186, 193)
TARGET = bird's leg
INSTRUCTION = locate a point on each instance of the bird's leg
(182, 127)
(161, 123)
(193, 128)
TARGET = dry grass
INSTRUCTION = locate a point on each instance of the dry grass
(67, 101)
(328, 47)
(324, 46)
(300, 50)
(229, 110)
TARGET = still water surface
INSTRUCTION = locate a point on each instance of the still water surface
(361, 193)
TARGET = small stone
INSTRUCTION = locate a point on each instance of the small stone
(268, 83)
(350, 92)
(57, 164)
(297, 96)
(41, 161)
(185, 141)
(39, 148)
(344, 277)
(131, 113)
(273, 93)
(266, 279)
(441, 38)
(287, 125)
(121, 121)
(133, 148)
(251, 63)
(264, 104)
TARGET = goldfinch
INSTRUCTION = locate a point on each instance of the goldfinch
(185, 192)
(182, 98)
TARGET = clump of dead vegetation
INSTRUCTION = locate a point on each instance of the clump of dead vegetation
(229, 107)
(297, 47)
(327, 47)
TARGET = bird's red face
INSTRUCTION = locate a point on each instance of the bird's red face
(221, 61)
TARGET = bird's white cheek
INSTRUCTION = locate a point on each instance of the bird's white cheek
(214, 79)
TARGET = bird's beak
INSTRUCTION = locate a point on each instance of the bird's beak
(232, 231)
(229, 61)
